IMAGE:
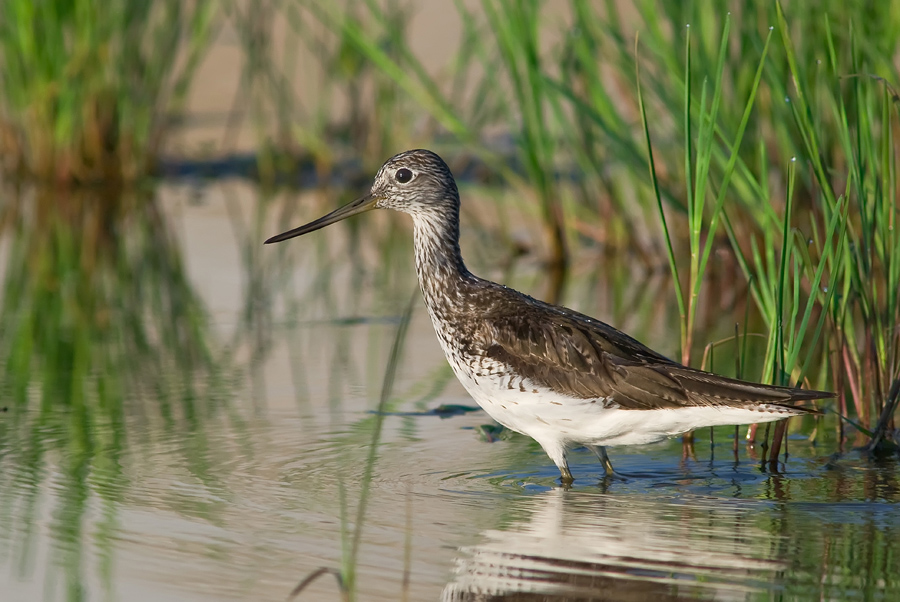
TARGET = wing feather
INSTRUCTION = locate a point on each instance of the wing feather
(585, 358)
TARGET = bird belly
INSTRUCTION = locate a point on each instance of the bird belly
(635, 427)
(549, 416)
(532, 409)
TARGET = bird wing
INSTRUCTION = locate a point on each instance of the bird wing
(584, 358)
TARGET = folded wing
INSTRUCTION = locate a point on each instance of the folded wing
(584, 358)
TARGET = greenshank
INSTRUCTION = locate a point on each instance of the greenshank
(556, 375)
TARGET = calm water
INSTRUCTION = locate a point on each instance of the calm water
(195, 426)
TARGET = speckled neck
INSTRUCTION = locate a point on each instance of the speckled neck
(439, 264)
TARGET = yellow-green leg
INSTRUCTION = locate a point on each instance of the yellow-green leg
(600, 452)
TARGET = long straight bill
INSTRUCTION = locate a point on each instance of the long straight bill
(361, 205)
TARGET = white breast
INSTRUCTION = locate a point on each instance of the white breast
(516, 402)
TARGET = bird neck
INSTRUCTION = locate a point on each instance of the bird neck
(439, 264)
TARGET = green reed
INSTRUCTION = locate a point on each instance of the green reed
(808, 205)
(363, 59)
(86, 86)
(287, 130)
(352, 525)
(698, 161)
(515, 25)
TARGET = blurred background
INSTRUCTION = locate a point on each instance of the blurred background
(186, 414)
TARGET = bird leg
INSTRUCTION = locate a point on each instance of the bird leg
(600, 452)
(557, 453)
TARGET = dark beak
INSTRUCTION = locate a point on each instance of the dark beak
(366, 203)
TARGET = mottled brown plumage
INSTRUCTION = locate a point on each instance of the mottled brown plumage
(554, 374)
(584, 358)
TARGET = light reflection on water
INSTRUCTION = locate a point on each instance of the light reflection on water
(233, 492)
(577, 544)
(587, 545)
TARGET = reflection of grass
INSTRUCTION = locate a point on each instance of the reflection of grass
(837, 555)
(85, 85)
(98, 323)
(97, 304)
(351, 537)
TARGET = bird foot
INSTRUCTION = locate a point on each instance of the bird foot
(613, 476)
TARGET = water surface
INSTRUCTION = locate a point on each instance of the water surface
(143, 471)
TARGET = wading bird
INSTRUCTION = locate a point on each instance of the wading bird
(556, 375)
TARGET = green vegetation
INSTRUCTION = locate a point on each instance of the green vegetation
(86, 86)
(756, 145)
(770, 141)
(767, 133)
(351, 531)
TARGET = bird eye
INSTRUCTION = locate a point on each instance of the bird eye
(403, 175)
